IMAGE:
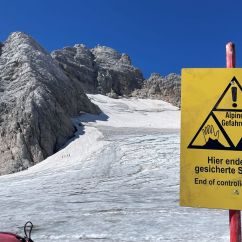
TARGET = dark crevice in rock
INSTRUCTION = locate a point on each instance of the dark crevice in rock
(1, 46)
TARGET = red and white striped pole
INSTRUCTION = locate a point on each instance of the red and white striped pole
(234, 215)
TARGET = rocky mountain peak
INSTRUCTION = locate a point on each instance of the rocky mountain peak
(24, 42)
(37, 102)
(106, 52)
(109, 58)
(99, 70)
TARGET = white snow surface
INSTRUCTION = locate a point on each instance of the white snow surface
(136, 113)
(116, 180)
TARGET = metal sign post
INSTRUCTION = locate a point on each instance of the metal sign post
(211, 140)
(234, 215)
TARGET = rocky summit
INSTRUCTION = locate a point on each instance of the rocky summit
(100, 70)
(104, 70)
(37, 101)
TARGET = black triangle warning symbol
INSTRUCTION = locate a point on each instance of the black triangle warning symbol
(222, 128)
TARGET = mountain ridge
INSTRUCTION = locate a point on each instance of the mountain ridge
(40, 92)
(100, 69)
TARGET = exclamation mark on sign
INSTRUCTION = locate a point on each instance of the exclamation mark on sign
(234, 96)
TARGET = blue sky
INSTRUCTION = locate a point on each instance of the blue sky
(160, 35)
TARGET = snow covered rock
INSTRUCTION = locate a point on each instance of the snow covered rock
(37, 101)
(100, 70)
(166, 88)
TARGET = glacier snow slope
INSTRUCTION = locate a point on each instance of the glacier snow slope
(116, 180)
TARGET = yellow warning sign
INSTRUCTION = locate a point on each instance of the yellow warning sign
(211, 138)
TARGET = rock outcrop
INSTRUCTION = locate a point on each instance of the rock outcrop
(166, 88)
(78, 64)
(115, 72)
(100, 70)
(37, 101)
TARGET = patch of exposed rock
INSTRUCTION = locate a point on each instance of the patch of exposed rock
(100, 70)
(115, 72)
(37, 101)
(78, 63)
(166, 88)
